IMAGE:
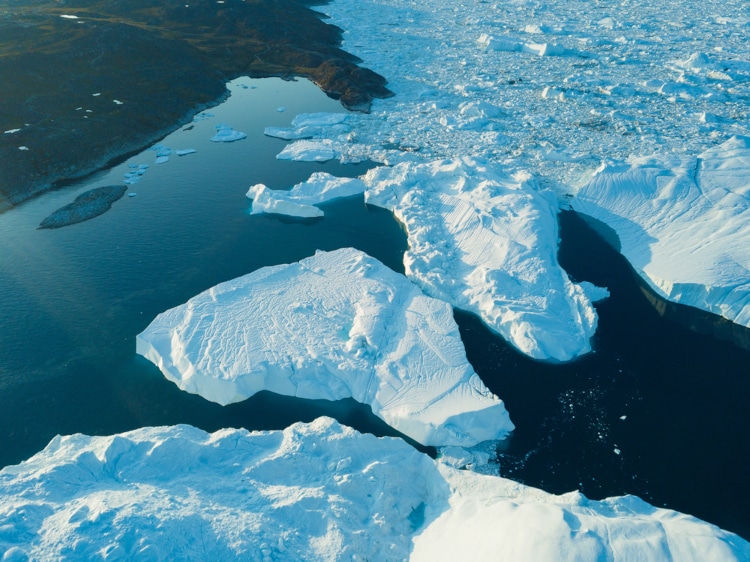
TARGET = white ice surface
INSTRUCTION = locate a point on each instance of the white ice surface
(550, 87)
(300, 201)
(315, 491)
(683, 223)
(486, 242)
(224, 133)
(333, 326)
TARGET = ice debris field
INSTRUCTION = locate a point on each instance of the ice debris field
(634, 114)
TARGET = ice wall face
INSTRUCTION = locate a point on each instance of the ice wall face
(486, 241)
(333, 326)
(683, 223)
(315, 491)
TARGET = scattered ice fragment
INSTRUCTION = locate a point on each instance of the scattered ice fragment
(68, 17)
(281, 109)
(23, 148)
(623, 417)
(617, 451)
(162, 159)
(118, 102)
(11, 131)
(96, 94)
(132, 194)
(185, 151)
(225, 133)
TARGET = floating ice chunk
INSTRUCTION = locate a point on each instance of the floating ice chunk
(486, 242)
(203, 115)
(498, 43)
(11, 131)
(97, 94)
(23, 148)
(281, 109)
(309, 151)
(333, 326)
(68, 17)
(118, 102)
(322, 119)
(317, 491)
(272, 201)
(300, 200)
(185, 151)
(683, 224)
(225, 133)
(162, 159)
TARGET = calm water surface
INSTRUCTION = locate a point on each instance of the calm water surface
(73, 300)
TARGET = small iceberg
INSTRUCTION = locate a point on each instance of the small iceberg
(225, 133)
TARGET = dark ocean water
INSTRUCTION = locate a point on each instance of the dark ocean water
(73, 300)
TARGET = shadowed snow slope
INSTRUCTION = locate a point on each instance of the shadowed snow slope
(333, 326)
(683, 223)
(486, 242)
(315, 491)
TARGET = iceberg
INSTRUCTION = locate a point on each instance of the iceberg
(300, 201)
(224, 133)
(317, 491)
(486, 242)
(309, 151)
(336, 325)
(683, 224)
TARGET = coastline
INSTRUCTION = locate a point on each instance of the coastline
(163, 71)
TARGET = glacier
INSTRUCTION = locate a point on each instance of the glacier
(336, 325)
(317, 491)
(683, 223)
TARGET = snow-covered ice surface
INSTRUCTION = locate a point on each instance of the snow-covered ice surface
(302, 199)
(683, 223)
(317, 491)
(486, 242)
(548, 88)
(335, 325)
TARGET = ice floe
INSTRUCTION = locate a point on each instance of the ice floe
(683, 223)
(317, 491)
(333, 326)
(309, 151)
(300, 201)
(225, 133)
(486, 241)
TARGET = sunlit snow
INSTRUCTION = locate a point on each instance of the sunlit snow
(336, 325)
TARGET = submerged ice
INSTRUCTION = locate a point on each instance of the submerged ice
(317, 491)
(332, 326)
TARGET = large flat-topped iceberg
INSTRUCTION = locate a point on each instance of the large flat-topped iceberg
(486, 241)
(683, 224)
(315, 491)
(332, 326)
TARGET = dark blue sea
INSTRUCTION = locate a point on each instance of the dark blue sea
(658, 410)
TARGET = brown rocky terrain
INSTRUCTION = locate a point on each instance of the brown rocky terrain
(112, 76)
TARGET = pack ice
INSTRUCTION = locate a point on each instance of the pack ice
(683, 223)
(332, 326)
(317, 491)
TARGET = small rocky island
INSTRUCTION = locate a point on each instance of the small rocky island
(88, 205)
(87, 82)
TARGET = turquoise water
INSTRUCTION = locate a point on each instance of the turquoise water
(73, 300)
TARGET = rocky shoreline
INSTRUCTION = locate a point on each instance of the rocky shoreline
(94, 82)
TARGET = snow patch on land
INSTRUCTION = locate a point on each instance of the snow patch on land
(333, 326)
(683, 223)
(317, 491)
